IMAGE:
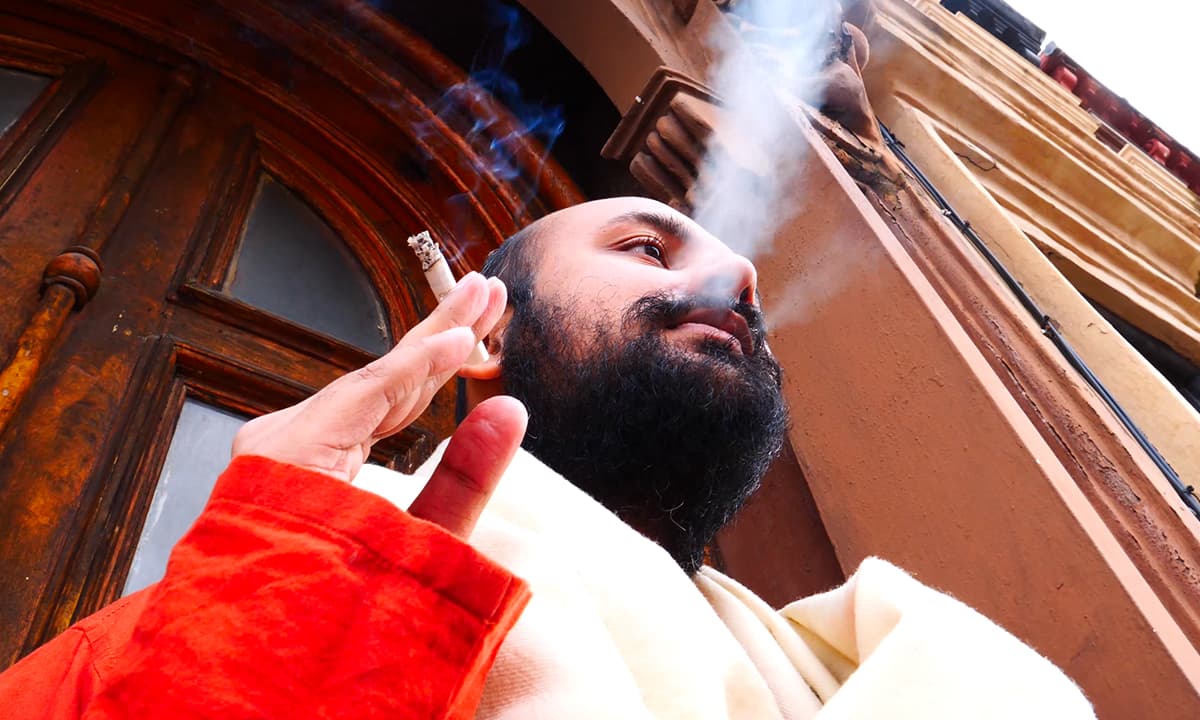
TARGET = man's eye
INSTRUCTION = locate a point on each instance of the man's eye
(652, 248)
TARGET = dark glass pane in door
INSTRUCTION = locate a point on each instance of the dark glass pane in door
(199, 452)
(292, 264)
(18, 90)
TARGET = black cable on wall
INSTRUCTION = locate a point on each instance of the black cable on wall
(1048, 328)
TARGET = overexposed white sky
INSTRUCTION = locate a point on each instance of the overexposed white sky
(1147, 51)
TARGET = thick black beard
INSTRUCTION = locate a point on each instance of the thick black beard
(672, 441)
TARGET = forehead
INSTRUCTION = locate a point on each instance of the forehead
(593, 224)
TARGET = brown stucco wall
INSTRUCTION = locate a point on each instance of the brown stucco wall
(915, 451)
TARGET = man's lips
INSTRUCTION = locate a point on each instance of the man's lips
(725, 322)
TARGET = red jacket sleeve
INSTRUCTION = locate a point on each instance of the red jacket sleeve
(294, 595)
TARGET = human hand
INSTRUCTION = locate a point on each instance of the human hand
(332, 431)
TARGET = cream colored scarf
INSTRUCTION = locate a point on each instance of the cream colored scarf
(616, 630)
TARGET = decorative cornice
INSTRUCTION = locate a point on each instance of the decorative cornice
(1156, 144)
(1131, 222)
(961, 46)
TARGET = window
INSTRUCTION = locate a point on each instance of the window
(198, 453)
(292, 264)
(1181, 372)
(18, 90)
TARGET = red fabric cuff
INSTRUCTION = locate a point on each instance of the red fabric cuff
(434, 557)
(293, 595)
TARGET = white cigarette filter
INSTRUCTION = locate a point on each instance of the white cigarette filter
(440, 279)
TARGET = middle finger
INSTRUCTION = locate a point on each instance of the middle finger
(461, 308)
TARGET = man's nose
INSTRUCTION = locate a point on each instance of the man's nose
(732, 276)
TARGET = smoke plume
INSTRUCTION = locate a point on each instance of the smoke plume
(745, 194)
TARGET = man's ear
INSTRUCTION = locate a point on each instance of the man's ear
(494, 343)
(487, 370)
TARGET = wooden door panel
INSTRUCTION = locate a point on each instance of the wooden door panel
(87, 125)
(164, 119)
(60, 437)
(25, 143)
(91, 437)
(59, 162)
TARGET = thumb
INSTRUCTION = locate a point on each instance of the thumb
(477, 456)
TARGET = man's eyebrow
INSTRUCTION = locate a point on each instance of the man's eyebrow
(666, 224)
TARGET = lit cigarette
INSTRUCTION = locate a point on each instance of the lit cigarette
(437, 273)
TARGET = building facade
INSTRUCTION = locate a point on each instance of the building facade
(202, 218)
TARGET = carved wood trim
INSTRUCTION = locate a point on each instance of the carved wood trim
(25, 144)
(78, 269)
(388, 262)
(37, 336)
(212, 248)
(551, 183)
(213, 241)
(18, 375)
(30, 55)
(367, 54)
(221, 380)
(84, 581)
(244, 316)
(137, 160)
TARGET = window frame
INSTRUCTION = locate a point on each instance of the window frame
(73, 78)
(252, 154)
(170, 371)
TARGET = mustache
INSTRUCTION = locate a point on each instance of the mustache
(666, 309)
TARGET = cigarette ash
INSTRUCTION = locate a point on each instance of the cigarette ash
(426, 249)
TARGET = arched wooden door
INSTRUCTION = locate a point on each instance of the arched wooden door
(203, 213)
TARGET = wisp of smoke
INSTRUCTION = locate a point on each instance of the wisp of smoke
(487, 80)
(540, 120)
(782, 47)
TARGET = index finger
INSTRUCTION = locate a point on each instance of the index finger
(475, 302)
(477, 456)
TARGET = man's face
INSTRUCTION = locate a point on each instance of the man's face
(602, 257)
(642, 361)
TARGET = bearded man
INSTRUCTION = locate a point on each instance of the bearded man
(635, 341)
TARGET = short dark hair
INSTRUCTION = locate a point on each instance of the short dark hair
(515, 263)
